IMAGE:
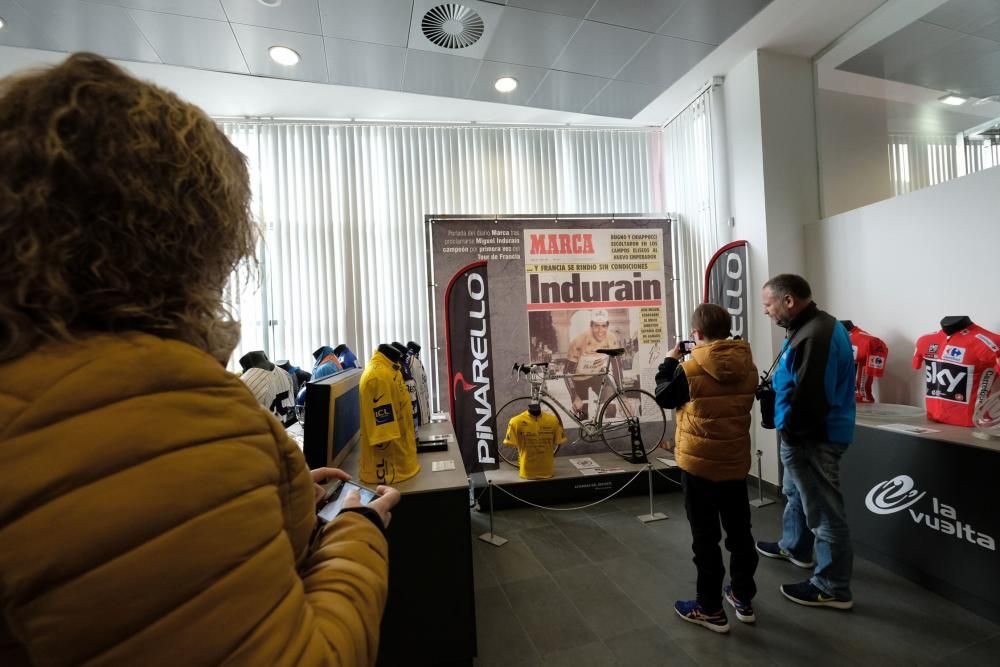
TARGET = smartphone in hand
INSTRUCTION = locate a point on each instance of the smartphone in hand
(686, 346)
(333, 500)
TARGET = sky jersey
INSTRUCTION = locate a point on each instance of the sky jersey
(870, 355)
(959, 372)
(388, 440)
(535, 439)
(273, 390)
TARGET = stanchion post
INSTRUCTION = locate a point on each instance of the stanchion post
(490, 537)
(760, 500)
(652, 516)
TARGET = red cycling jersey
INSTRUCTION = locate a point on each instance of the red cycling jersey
(870, 354)
(959, 371)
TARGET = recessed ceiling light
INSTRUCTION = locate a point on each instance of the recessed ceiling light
(953, 100)
(505, 84)
(270, 3)
(283, 55)
(2, 23)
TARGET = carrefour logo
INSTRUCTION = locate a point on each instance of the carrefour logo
(899, 493)
(892, 496)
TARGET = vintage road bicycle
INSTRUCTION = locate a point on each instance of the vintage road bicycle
(610, 426)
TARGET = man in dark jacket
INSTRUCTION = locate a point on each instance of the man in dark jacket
(713, 394)
(814, 415)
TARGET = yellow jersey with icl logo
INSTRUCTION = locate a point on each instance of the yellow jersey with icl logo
(388, 441)
(535, 439)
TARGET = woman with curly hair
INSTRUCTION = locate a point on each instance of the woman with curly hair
(150, 511)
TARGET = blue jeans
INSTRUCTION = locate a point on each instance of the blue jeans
(814, 515)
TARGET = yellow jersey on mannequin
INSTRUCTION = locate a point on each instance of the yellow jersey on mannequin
(535, 439)
(388, 441)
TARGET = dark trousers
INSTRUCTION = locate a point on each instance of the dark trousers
(707, 503)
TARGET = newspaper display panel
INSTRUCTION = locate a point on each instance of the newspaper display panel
(559, 290)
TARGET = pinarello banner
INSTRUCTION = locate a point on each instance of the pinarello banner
(727, 283)
(470, 366)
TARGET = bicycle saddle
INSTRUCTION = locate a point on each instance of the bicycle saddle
(612, 353)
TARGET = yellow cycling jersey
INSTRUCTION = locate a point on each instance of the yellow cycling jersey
(535, 439)
(388, 441)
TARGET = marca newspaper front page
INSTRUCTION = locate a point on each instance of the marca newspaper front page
(591, 289)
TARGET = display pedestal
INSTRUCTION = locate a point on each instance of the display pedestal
(430, 615)
(924, 504)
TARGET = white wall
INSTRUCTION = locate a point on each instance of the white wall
(898, 266)
(770, 129)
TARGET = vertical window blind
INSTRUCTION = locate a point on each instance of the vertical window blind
(342, 211)
(689, 188)
(919, 160)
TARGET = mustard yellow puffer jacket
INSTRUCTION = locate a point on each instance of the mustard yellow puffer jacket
(151, 513)
(713, 428)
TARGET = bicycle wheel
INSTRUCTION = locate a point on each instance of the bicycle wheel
(511, 409)
(618, 409)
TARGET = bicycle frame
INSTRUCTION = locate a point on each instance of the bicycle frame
(590, 430)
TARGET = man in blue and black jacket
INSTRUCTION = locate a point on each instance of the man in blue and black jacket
(814, 415)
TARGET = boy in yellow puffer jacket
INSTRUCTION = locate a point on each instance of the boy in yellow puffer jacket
(712, 394)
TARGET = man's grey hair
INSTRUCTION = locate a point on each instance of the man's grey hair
(788, 283)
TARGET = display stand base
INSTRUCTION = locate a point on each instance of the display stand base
(762, 502)
(655, 516)
(495, 540)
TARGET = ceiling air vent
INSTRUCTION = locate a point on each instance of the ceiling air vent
(452, 26)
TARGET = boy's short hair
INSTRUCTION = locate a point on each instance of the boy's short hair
(714, 322)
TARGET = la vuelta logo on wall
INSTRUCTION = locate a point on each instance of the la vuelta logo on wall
(898, 494)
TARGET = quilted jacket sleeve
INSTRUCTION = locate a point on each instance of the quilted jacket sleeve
(151, 513)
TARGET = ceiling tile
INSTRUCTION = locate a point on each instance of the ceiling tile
(574, 8)
(528, 79)
(909, 45)
(438, 74)
(102, 29)
(949, 68)
(363, 64)
(22, 30)
(964, 15)
(530, 38)
(566, 91)
(206, 9)
(600, 49)
(378, 21)
(294, 15)
(255, 42)
(710, 21)
(191, 42)
(622, 99)
(980, 78)
(990, 31)
(664, 60)
(640, 14)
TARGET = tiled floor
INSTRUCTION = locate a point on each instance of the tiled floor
(596, 587)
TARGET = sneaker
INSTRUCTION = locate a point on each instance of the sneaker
(807, 594)
(744, 610)
(692, 612)
(772, 550)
